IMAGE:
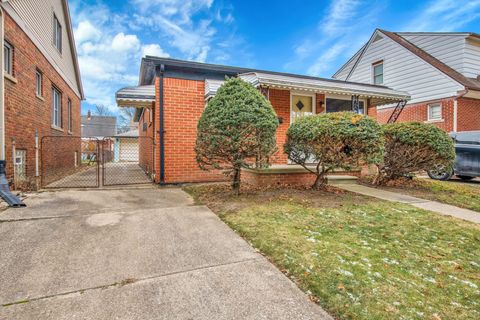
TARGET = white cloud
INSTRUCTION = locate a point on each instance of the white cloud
(341, 16)
(122, 42)
(175, 19)
(154, 50)
(110, 44)
(444, 15)
(323, 63)
(344, 28)
(86, 32)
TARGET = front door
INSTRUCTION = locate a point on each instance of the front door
(301, 106)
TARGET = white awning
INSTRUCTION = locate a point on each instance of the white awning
(378, 94)
(136, 97)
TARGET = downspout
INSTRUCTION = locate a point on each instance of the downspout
(161, 71)
(5, 193)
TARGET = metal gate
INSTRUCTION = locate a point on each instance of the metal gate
(127, 160)
(76, 162)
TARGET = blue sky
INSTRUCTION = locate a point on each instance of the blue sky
(305, 37)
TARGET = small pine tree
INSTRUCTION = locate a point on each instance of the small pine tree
(236, 130)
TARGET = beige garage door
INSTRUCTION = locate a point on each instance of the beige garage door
(129, 150)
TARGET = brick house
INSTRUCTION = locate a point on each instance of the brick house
(172, 94)
(440, 71)
(41, 87)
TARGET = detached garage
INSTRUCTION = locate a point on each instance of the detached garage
(126, 147)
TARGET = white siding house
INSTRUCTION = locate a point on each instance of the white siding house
(440, 72)
(37, 18)
(404, 70)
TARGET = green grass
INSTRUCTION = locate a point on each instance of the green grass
(449, 192)
(362, 258)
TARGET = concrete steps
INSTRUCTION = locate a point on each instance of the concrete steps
(341, 179)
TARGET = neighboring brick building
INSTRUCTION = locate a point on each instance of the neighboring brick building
(173, 93)
(42, 85)
(440, 71)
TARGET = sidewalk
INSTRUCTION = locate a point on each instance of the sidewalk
(434, 206)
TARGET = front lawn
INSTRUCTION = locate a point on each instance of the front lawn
(360, 258)
(450, 192)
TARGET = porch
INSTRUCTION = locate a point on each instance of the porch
(294, 175)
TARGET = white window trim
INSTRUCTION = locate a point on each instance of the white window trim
(58, 113)
(39, 94)
(439, 104)
(305, 94)
(70, 115)
(9, 70)
(343, 97)
(382, 62)
(58, 46)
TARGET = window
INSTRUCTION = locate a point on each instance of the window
(339, 105)
(69, 111)
(57, 33)
(378, 73)
(56, 108)
(39, 83)
(8, 58)
(435, 112)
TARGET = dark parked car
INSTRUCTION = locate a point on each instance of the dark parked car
(467, 162)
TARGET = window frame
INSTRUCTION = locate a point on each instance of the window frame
(374, 76)
(342, 97)
(56, 114)
(8, 65)
(69, 115)
(57, 33)
(430, 106)
(39, 83)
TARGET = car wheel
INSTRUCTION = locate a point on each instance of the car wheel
(439, 174)
(466, 178)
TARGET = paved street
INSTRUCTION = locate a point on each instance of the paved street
(144, 253)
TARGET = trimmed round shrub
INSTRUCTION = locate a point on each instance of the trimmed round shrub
(414, 146)
(334, 140)
(237, 129)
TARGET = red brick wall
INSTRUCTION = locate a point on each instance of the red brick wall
(145, 141)
(183, 105)
(468, 114)
(280, 100)
(419, 112)
(24, 112)
(284, 179)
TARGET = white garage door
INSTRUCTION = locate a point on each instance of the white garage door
(129, 150)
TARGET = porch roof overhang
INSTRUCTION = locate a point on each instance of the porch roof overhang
(136, 97)
(379, 95)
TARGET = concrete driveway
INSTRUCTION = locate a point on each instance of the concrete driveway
(143, 253)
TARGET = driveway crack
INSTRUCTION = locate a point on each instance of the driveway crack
(129, 281)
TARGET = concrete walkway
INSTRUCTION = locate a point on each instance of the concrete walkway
(135, 254)
(434, 206)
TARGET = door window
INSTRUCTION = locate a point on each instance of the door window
(301, 106)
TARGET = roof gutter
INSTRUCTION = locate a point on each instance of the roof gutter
(5, 193)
